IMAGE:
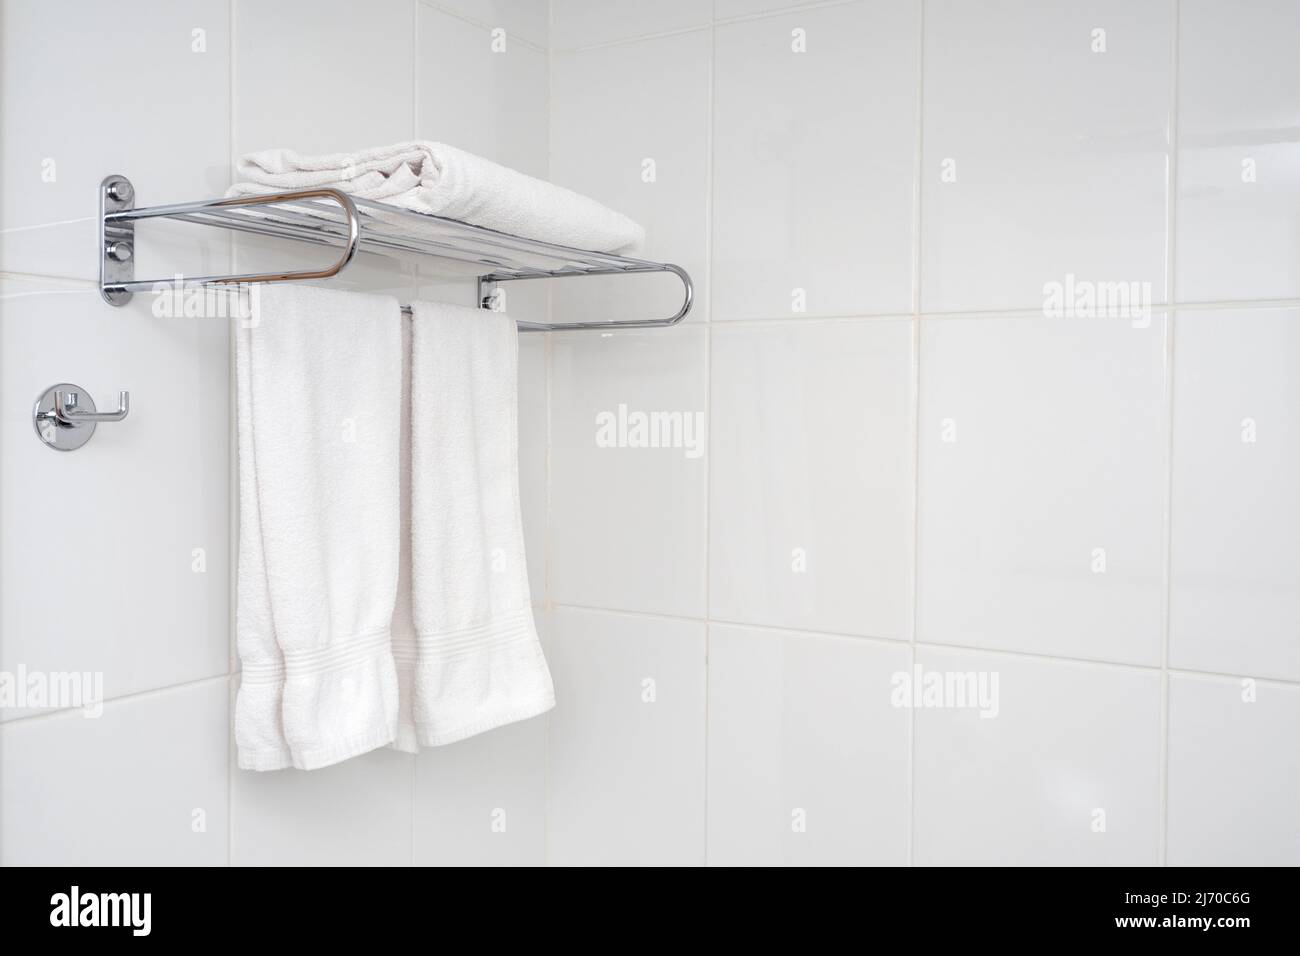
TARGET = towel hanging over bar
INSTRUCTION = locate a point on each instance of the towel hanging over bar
(328, 216)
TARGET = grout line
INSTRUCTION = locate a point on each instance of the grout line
(10, 230)
(1171, 232)
(915, 383)
(724, 622)
(84, 284)
(1186, 672)
(714, 21)
(232, 469)
(512, 37)
(625, 41)
(798, 6)
(936, 645)
(414, 797)
(708, 409)
(1167, 589)
(1223, 305)
(1046, 658)
(415, 73)
(806, 319)
(112, 701)
(548, 536)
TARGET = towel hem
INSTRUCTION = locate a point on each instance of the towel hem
(345, 750)
(428, 738)
(264, 760)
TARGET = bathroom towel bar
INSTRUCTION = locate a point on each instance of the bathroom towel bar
(331, 217)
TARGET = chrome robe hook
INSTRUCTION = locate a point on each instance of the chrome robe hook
(65, 415)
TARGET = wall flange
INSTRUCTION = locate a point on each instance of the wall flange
(116, 239)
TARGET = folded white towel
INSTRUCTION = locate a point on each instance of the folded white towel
(445, 181)
(319, 397)
(480, 664)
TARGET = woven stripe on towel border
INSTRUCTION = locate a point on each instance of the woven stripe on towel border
(337, 656)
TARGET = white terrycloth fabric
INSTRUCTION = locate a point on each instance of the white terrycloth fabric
(319, 377)
(439, 179)
(404, 645)
(480, 664)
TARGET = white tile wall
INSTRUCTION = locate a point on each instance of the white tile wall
(728, 9)
(810, 509)
(505, 117)
(936, 160)
(1042, 482)
(291, 88)
(525, 19)
(142, 784)
(1235, 562)
(627, 523)
(816, 114)
(1042, 158)
(482, 802)
(356, 813)
(69, 97)
(1238, 150)
(808, 761)
(626, 782)
(581, 23)
(629, 126)
(534, 430)
(1064, 492)
(115, 559)
(1232, 778)
(125, 517)
(1066, 773)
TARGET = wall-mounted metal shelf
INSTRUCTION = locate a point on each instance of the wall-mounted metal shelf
(331, 217)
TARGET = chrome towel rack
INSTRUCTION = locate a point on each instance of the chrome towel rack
(331, 217)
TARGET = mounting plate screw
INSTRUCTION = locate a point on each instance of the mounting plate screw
(121, 191)
(119, 250)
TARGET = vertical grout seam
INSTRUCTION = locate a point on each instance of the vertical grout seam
(1171, 206)
(915, 376)
(708, 402)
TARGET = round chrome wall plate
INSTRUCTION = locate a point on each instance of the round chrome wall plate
(57, 434)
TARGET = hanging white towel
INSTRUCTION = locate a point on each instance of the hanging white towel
(445, 181)
(480, 664)
(319, 395)
(405, 655)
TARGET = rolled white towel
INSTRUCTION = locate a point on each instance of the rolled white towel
(439, 179)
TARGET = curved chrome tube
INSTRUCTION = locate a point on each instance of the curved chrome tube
(500, 256)
(66, 410)
(118, 293)
(688, 298)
